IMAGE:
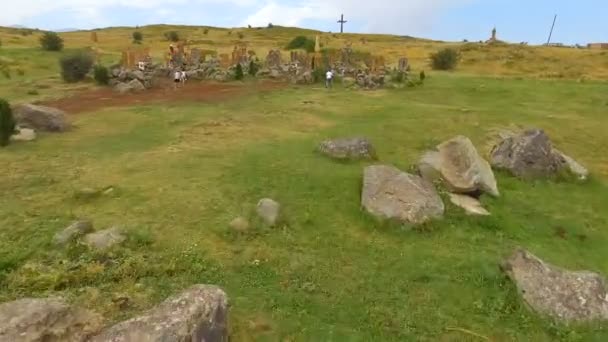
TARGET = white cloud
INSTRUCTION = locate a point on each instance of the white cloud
(377, 15)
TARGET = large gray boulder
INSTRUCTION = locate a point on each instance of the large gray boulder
(558, 293)
(129, 87)
(530, 154)
(389, 193)
(46, 320)
(198, 314)
(348, 148)
(105, 239)
(137, 75)
(461, 168)
(41, 118)
(72, 232)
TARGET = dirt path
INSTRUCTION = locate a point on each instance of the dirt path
(92, 100)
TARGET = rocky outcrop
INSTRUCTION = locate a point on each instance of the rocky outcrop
(46, 320)
(198, 314)
(561, 294)
(389, 193)
(41, 118)
(268, 210)
(457, 163)
(531, 155)
(105, 239)
(348, 148)
(73, 231)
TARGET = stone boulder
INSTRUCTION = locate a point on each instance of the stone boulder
(46, 320)
(348, 149)
(198, 314)
(24, 134)
(136, 75)
(268, 210)
(72, 232)
(457, 163)
(105, 239)
(303, 78)
(41, 118)
(128, 87)
(471, 205)
(531, 155)
(561, 294)
(389, 193)
(239, 225)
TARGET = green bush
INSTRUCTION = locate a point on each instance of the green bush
(50, 41)
(172, 36)
(138, 37)
(422, 76)
(7, 123)
(241, 35)
(205, 31)
(270, 25)
(238, 75)
(444, 59)
(253, 68)
(75, 66)
(302, 42)
(318, 75)
(101, 75)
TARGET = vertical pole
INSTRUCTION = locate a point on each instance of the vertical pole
(342, 23)
(551, 33)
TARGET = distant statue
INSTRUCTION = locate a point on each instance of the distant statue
(493, 35)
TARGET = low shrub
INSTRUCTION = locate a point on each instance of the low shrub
(172, 36)
(444, 59)
(238, 74)
(101, 75)
(138, 37)
(50, 41)
(75, 66)
(302, 42)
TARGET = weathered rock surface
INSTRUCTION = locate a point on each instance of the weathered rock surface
(461, 168)
(24, 134)
(561, 294)
(131, 86)
(105, 239)
(41, 118)
(348, 149)
(268, 210)
(470, 205)
(239, 224)
(46, 320)
(531, 155)
(73, 231)
(389, 193)
(198, 314)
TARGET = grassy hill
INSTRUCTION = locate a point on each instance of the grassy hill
(181, 170)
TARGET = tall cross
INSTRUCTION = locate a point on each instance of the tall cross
(342, 22)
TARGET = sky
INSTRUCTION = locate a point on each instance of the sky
(580, 21)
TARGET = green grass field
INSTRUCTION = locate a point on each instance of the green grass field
(182, 171)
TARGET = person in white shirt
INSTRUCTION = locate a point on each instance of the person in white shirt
(183, 77)
(329, 78)
(177, 77)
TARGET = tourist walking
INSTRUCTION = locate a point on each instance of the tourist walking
(329, 79)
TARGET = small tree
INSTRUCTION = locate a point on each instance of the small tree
(138, 37)
(444, 59)
(75, 66)
(172, 36)
(270, 25)
(50, 41)
(205, 31)
(422, 76)
(253, 68)
(101, 75)
(238, 74)
(302, 42)
(7, 123)
(241, 35)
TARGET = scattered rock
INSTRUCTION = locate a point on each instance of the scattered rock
(41, 118)
(348, 149)
(561, 294)
(470, 205)
(572, 165)
(131, 86)
(105, 239)
(458, 164)
(137, 75)
(24, 134)
(239, 224)
(389, 193)
(87, 193)
(528, 155)
(268, 210)
(46, 320)
(303, 78)
(198, 314)
(72, 232)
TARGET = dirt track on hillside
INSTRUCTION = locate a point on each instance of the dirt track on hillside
(91, 100)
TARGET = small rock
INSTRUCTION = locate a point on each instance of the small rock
(72, 232)
(580, 296)
(198, 314)
(389, 193)
(573, 166)
(470, 205)
(46, 320)
(105, 239)
(239, 224)
(268, 210)
(86, 193)
(24, 134)
(348, 149)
